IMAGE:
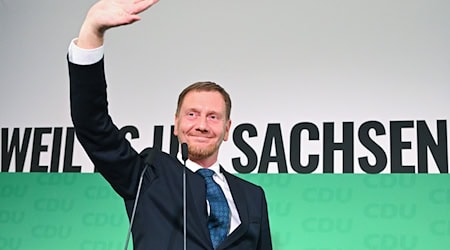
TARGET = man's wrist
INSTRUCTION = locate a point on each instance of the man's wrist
(82, 56)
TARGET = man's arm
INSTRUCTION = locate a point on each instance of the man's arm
(110, 152)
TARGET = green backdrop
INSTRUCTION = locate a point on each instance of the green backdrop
(307, 212)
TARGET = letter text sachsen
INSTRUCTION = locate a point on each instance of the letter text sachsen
(372, 147)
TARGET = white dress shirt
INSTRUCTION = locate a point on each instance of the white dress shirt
(220, 179)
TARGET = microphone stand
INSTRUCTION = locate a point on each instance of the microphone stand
(184, 156)
(148, 161)
(134, 207)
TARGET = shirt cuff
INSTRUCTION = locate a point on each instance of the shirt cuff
(81, 56)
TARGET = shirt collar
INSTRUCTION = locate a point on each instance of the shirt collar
(194, 166)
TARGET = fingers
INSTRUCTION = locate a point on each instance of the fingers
(141, 5)
(106, 14)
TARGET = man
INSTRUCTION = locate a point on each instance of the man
(222, 211)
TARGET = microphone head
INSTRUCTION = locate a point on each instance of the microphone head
(184, 151)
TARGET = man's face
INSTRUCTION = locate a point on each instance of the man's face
(202, 124)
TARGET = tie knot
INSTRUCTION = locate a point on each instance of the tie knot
(205, 172)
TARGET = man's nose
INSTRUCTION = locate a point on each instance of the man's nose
(202, 124)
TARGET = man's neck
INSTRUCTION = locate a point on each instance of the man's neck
(206, 162)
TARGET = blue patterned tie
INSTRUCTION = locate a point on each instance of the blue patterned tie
(219, 218)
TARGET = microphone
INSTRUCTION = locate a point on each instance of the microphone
(184, 151)
(149, 152)
(184, 157)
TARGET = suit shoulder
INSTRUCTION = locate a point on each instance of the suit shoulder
(244, 183)
(156, 156)
(162, 163)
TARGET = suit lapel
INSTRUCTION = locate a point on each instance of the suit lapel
(196, 202)
(241, 205)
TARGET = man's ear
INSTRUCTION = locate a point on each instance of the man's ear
(227, 130)
(175, 125)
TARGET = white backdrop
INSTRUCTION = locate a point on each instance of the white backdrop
(283, 62)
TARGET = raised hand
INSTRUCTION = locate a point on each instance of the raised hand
(106, 14)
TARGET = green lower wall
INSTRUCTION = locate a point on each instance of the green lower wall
(307, 212)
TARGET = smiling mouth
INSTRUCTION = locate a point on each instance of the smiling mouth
(200, 138)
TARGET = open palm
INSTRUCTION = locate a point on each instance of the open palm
(110, 13)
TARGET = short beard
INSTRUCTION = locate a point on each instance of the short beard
(197, 153)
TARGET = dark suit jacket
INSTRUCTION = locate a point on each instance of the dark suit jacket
(159, 218)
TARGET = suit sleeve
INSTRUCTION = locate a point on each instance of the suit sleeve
(110, 152)
(265, 239)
